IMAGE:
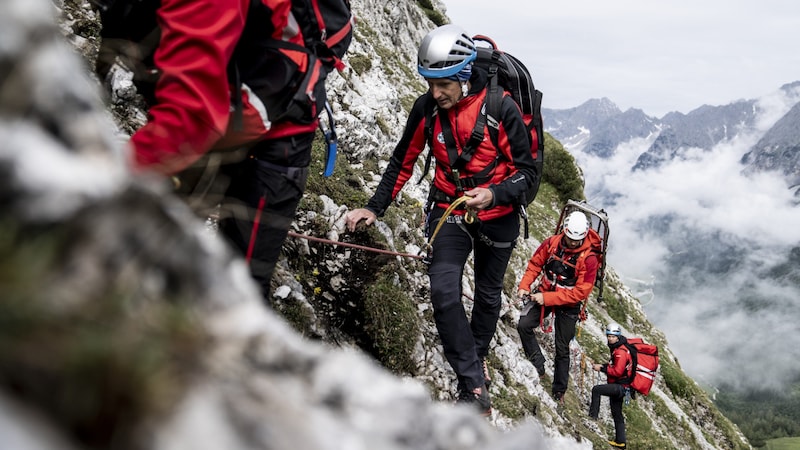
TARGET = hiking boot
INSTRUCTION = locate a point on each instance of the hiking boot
(486, 376)
(538, 364)
(478, 397)
(617, 444)
(558, 396)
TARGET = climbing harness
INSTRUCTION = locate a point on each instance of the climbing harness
(469, 218)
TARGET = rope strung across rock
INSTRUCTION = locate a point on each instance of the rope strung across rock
(469, 218)
(346, 244)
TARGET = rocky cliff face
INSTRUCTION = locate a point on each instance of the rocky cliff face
(779, 149)
(127, 324)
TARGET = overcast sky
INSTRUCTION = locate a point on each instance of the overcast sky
(654, 56)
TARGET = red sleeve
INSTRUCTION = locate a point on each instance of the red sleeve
(535, 264)
(192, 94)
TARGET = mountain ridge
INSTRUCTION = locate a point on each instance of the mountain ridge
(598, 127)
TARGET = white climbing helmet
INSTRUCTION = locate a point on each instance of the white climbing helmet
(445, 52)
(614, 329)
(576, 227)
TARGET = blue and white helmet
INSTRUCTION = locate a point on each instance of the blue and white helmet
(446, 52)
(614, 329)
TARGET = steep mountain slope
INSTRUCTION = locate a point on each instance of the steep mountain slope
(706, 201)
(342, 297)
(333, 290)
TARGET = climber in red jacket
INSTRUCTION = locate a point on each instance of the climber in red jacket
(489, 184)
(568, 263)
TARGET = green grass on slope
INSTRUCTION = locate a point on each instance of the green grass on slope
(788, 443)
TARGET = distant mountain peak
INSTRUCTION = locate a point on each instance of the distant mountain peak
(598, 127)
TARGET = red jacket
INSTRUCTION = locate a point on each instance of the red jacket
(515, 166)
(585, 267)
(192, 109)
(620, 365)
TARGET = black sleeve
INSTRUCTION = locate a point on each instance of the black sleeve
(512, 188)
(415, 124)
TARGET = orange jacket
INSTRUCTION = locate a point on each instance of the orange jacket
(556, 293)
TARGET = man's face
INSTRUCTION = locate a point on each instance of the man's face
(571, 243)
(446, 92)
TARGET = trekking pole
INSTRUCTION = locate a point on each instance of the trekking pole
(583, 368)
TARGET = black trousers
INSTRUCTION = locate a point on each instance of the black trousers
(616, 395)
(261, 202)
(466, 340)
(565, 324)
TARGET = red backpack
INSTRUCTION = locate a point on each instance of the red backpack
(645, 364)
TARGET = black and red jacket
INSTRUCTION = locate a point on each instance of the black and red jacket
(514, 172)
(191, 111)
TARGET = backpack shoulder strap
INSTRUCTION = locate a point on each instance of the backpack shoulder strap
(634, 362)
(494, 98)
(430, 111)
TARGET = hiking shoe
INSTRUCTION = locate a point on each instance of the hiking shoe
(558, 396)
(617, 444)
(540, 371)
(478, 397)
(486, 376)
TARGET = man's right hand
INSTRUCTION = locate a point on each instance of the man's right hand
(357, 215)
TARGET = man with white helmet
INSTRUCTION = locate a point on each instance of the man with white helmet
(491, 180)
(568, 263)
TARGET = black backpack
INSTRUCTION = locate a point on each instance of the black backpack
(291, 88)
(269, 68)
(505, 73)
